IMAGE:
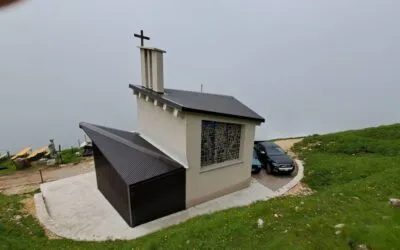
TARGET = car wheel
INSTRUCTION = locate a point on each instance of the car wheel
(268, 168)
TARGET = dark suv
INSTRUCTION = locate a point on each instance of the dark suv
(274, 158)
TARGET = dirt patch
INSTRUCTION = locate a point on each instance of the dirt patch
(29, 208)
(21, 189)
(301, 189)
(32, 177)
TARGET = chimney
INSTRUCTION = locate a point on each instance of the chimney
(152, 68)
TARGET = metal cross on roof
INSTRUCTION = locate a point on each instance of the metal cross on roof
(142, 37)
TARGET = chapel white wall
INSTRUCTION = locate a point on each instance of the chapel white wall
(162, 129)
(203, 185)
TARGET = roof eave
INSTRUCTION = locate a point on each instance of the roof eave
(259, 120)
(157, 97)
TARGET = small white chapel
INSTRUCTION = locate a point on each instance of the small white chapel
(188, 147)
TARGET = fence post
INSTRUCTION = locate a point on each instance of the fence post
(41, 176)
(59, 153)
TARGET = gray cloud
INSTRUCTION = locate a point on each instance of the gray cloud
(306, 66)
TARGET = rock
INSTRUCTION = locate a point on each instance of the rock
(260, 223)
(394, 202)
(341, 225)
(17, 217)
(363, 247)
(308, 225)
(296, 209)
(338, 232)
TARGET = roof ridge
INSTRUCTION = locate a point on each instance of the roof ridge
(208, 103)
(126, 142)
(197, 92)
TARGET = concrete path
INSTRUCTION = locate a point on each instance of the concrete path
(73, 208)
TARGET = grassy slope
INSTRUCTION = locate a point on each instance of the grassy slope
(354, 174)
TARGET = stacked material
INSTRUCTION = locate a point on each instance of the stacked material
(22, 153)
(38, 153)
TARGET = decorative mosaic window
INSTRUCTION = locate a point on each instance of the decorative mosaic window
(219, 142)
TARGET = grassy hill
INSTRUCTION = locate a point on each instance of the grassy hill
(353, 173)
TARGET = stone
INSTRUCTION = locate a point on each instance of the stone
(338, 232)
(341, 225)
(260, 223)
(17, 217)
(394, 202)
(363, 247)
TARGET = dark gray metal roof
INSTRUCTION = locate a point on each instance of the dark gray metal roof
(134, 158)
(202, 102)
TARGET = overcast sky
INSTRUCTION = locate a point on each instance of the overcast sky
(306, 66)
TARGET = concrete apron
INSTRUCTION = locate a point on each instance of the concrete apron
(73, 208)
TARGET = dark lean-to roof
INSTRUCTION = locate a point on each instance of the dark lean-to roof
(201, 102)
(134, 159)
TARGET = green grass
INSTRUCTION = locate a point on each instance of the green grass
(69, 155)
(354, 174)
